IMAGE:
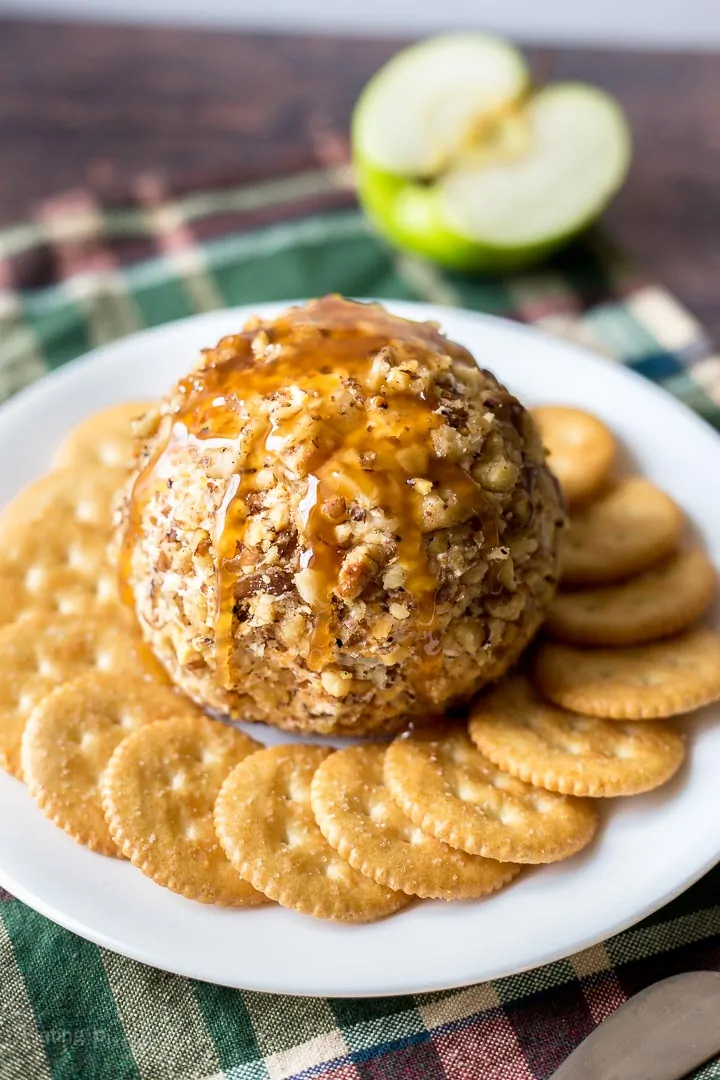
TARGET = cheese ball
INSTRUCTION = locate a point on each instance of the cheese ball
(339, 523)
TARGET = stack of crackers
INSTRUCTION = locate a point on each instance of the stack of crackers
(127, 766)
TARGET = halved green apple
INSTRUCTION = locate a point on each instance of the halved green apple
(458, 161)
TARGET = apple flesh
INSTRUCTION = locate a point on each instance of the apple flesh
(478, 178)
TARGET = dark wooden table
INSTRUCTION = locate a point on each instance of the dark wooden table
(98, 106)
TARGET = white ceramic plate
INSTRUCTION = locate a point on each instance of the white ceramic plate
(649, 849)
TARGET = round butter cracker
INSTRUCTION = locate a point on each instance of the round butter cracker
(41, 652)
(621, 533)
(71, 736)
(581, 449)
(641, 682)
(553, 748)
(662, 601)
(158, 794)
(360, 819)
(85, 495)
(109, 437)
(452, 791)
(266, 826)
(54, 538)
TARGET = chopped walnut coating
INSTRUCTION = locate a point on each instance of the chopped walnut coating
(381, 536)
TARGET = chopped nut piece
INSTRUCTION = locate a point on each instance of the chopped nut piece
(260, 343)
(394, 578)
(335, 508)
(310, 585)
(496, 475)
(343, 534)
(357, 569)
(264, 479)
(337, 683)
(398, 381)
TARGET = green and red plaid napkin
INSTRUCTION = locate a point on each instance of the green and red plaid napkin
(78, 276)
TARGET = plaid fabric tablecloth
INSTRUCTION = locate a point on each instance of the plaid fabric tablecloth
(78, 276)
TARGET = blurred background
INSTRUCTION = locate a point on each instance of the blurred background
(664, 23)
(126, 100)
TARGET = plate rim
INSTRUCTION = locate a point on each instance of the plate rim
(399, 990)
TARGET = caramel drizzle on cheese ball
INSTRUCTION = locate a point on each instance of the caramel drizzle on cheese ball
(365, 442)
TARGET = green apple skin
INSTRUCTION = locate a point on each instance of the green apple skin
(409, 211)
(406, 214)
